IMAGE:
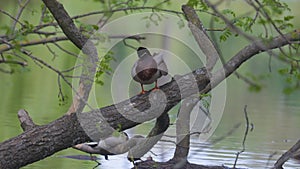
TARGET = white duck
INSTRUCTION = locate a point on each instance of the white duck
(147, 69)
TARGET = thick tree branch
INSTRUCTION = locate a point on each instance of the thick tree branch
(201, 37)
(73, 33)
(40, 142)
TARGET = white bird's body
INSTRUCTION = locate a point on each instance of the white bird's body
(110, 146)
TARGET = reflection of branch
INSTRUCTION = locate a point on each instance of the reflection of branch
(287, 155)
(215, 141)
(245, 136)
(230, 132)
(269, 158)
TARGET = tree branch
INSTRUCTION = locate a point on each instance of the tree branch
(251, 50)
(287, 155)
(78, 39)
(201, 37)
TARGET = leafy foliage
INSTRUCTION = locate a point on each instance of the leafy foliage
(292, 77)
(104, 67)
(47, 17)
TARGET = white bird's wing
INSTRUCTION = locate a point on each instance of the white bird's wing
(113, 141)
(162, 66)
(133, 70)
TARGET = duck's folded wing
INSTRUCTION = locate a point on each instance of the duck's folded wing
(133, 70)
(162, 66)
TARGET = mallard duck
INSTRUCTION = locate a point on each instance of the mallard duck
(147, 69)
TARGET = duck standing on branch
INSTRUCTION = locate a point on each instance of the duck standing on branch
(147, 69)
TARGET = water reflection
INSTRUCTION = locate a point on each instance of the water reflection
(208, 155)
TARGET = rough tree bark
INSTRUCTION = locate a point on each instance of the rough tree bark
(42, 141)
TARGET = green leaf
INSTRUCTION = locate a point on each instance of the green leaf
(224, 36)
(288, 18)
(193, 3)
(254, 88)
(283, 71)
(228, 11)
(288, 90)
(104, 67)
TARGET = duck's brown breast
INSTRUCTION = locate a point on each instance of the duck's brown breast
(146, 74)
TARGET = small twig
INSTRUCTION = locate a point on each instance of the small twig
(123, 10)
(13, 62)
(126, 44)
(10, 16)
(245, 136)
(270, 20)
(42, 15)
(223, 61)
(60, 92)
(4, 48)
(71, 69)
(58, 72)
(103, 20)
(246, 80)
(64, 50)
(20, 11)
